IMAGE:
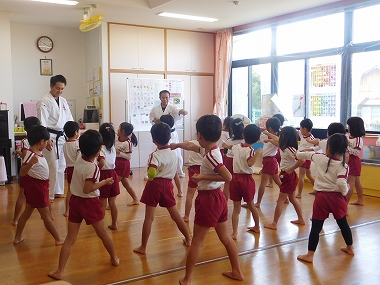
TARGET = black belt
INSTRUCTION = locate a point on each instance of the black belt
(59, 134)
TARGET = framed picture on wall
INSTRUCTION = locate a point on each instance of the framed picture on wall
(46, 67)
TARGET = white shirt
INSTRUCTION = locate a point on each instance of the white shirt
(230, 141)
(269, 149)
(39, 170)
(71, 151)
(165, 161)
(303, 143)
(84, 170)
(287, 158)
(25, 144)
(109, 157)
(211, 163)
(51, 115)
(322, 146)
(195, 158)
(355, 145)
(335, 179)
(125, 148)
(242, 154)
(223, 138)
(157, 112)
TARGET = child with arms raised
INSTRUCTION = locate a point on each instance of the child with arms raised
(126, 139)
(84, 201)
(210, 205)
(331, 187)
(72, 152)
(28, 123)
(242, 184)
(106, 163)
(356, 132)
(35, 175)
(162, 167)
(288, 142)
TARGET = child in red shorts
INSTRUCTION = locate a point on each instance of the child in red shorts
(210, 205)
(84, 201)
(162, 167)
(288, 142)
(35, 176)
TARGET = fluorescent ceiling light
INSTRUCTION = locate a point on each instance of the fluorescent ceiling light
(64, 2)
(187, 17)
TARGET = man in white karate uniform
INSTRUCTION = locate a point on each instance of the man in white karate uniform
(53, 112)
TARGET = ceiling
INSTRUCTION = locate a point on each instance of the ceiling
(144, 12)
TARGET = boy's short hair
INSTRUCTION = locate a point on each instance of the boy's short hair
(251, 133)
(70, 128)
(161, 133)
(273, 123)
(335, 128)
(210, 127)
(306, 123)
(31, 121)
(90, 142)
(168, 119)
(36, 133)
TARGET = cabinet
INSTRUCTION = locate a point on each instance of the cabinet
(190, 51)
(136, 48)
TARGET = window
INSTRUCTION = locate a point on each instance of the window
(314, 34)
(291, 86)
(366, 88)
(240, 91)
(250, 45)
(260, 85)
(366, 24)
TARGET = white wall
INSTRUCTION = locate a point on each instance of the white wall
(68, 56)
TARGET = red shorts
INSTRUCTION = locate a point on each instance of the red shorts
(69, 173)
(89, 209)
(112, 190)
(23, 180)
(270, 165)
(210, 208)
(193, 169)
(159, 191)
(278, 156)
(229, 164)
(355, 165)
(306, 164)
(329, 202)
(288, 182)
(36, 192)
(122, 167)
(242, 186)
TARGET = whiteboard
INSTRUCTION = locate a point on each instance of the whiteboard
(143, 95)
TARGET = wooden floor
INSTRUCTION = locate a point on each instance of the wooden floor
(265, 258)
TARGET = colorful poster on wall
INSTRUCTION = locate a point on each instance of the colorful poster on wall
(323, 104)
(298, 105)
(323, 75)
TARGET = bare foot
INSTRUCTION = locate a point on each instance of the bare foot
(234, 276)
(257, 205)
(109, 208)
(16, 241)
(349, 250)
(55, 275)
(134, 202)
(183, 282)
(179, 194)
(114, 228)
(140, 250)
(186, 242)
(115, 261)
(245, 205)
(298, 196)
(269, 186)
(14, 223)
(298, 222)
(60, 241)
(271, 226)
(65, 214)
(306, 258)
(357, 203)
(313, 193)
(234, 237)
(254, 229)
(185, 219)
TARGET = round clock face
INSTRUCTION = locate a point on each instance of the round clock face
(44, 44)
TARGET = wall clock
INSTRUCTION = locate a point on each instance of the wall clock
(45, 44)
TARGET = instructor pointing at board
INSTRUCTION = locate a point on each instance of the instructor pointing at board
(165, 109)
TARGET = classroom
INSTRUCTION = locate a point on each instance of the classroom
(316, 60)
